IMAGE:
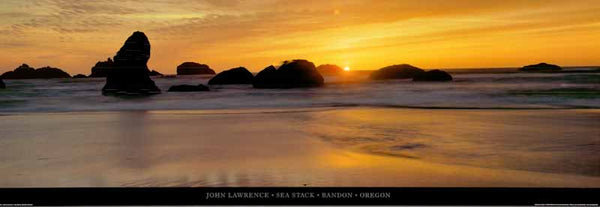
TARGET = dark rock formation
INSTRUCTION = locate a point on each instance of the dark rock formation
(402, 71)
(188, 88)
(24, 69)
(433, 75)
(21, 72)
(292, 74)
(50, 72)
(101, 68)
(329, 69)
(540, 67)
(238, 75)
(2, 85)
(192, 68)
(155, 73)
(130, 73)
(26, 72)
(267, 75)
(80, 76)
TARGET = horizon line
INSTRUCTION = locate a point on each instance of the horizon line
(427, 68)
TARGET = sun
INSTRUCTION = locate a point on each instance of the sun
(347, 68)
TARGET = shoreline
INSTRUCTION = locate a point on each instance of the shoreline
(292, 109)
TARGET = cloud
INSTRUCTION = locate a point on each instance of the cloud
(263, 30)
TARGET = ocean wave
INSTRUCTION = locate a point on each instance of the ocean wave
(469, 91)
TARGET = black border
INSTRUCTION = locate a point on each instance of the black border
(197, 196)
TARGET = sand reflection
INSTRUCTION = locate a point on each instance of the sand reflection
(326, 147)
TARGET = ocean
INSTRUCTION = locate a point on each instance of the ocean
(485, 128)
(468, 91)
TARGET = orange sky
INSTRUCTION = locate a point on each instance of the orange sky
(362, 34)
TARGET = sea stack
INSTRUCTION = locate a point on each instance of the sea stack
(130, 74)
(188, 88)
(22, 72)
(192, 68)
(402, 71)
(155, 73)
(292, 74)
(101, 68)
(267, 75)
(239, 75)
(541, 67)
(2, 85)
(433, 75)
(330, 69)
(26, 72)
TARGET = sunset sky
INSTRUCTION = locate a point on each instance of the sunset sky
(362, 34)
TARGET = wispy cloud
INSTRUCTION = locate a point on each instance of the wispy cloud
(227, 33)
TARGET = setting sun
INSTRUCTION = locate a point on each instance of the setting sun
(346, 68)
(438, 34)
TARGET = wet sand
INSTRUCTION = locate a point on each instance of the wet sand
(296, 147)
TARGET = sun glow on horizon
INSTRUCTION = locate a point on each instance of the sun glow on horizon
(74, 35)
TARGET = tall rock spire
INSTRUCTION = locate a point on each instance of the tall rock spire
(129, 74)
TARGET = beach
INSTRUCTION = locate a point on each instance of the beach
(299, 102)
(298, 146)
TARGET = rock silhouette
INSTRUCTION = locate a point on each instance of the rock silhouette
(50, 72)
(26, 72)
(155, 73)
(130, 73)
(433, 75)
(192, 68)
(292, 74)
(2, 85)
(79, 76)
(402, 71)
(188, 88)
(21, 72)
(540, 67)
(239, 75)
(329, 69)
(101, 68)
(267, 75)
